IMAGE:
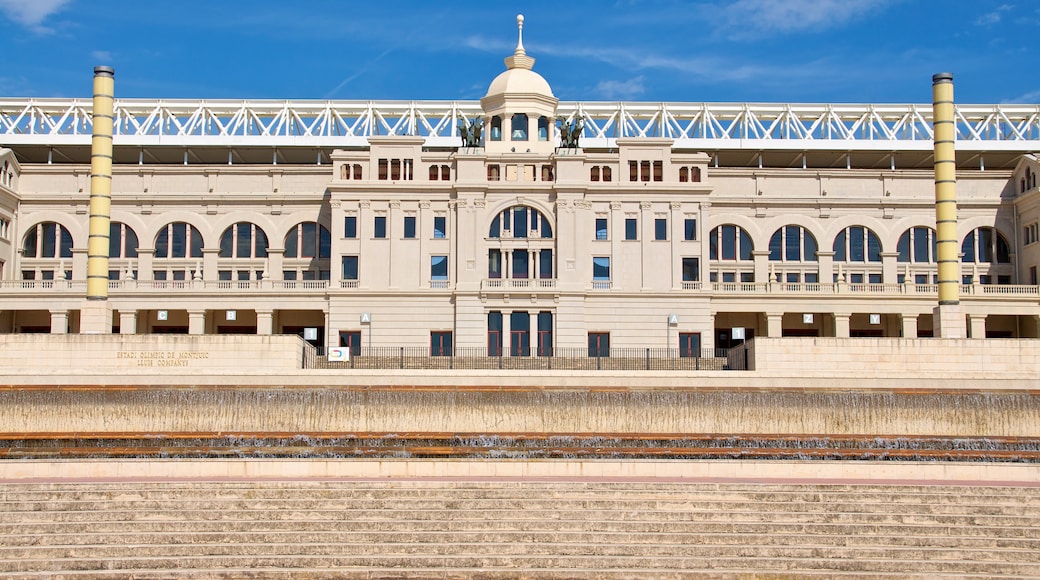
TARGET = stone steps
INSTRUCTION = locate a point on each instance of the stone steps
(545, 529)
(526, 564)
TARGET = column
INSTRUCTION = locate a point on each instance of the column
(144, 263)
(533, 326)
(761, 258)
(507, 339)
(826, 265)
(977, 325)
(708, 338)
(909, 325)
(196, 322)
(675, 237)
(841, 324)
(265, 322)
(59, 321)
(127, 322)
(647, 232)
(275, 259)
(889, 268)
(209, 265)
(774, 324)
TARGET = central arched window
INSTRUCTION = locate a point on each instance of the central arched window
(857, 244)
(243, 240)
(986, 245)
(520, 222)
(178, 240)
(47, 240)
(532, 260)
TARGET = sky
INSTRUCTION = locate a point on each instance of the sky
(787, 51)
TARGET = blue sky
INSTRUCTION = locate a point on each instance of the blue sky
(808, 51)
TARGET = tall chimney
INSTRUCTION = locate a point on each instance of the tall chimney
(100, 184)
(947, 319)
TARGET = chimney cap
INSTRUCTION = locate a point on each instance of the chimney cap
(943, 77)
(104, 70)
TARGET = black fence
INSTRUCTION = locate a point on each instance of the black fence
(619, 359)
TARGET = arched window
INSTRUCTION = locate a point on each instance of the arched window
(122, 241)
(531, 259)
(792, 244)
(733, 241)
(47, 240)
(308, 240)
(857, 244)
(518, 127)
(243, 240)
(917, 246)
(178, 240)
(684, 174)
(520, 222)
(496, 128)
(543, 129)
(986, 245)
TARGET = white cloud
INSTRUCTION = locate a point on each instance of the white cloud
(621, 90)
(1028, 98)
(101, 56)
(991, 18)
(31, 13)
(753, 18)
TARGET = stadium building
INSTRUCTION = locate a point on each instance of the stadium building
(518, 224)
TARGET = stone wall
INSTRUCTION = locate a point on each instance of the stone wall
(908, 357)
(158, 353)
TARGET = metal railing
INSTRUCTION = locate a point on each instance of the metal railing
(614, 359)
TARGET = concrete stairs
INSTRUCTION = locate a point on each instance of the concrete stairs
(509, 529)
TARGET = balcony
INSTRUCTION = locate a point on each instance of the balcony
(519, 284)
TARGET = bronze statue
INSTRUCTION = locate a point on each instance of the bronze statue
(570, 131)
(470, 132)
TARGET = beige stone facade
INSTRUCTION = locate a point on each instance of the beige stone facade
(516, 244)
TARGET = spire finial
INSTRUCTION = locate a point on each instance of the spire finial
(519, 58)
(520, 35)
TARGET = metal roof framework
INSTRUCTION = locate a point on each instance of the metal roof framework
(695, 126)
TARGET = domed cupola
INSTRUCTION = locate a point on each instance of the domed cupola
(519, 106)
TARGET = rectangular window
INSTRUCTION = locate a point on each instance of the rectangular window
(1032, 275)
(689, 344)
(520, 223)
(691, 269)
(440, 343)
(350, 267)
(224, 275)
(545, 264)
(440, 226)
(690, 229)
(288, 275)
(352, 340)
(660, 229)
(438, 267)
(601, 228)
(379, 227)
(494, 263)
(520, 264)
(874, 278)
(350, 227)
(599, 344)
(409, 226)
(601, 268)
(494, 347)
(545, 333)
(630, 229)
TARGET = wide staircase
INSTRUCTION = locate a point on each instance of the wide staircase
(503, 529)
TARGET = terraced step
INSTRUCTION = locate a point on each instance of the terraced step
(552, 530)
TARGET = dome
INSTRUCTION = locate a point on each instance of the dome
(519, 81)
